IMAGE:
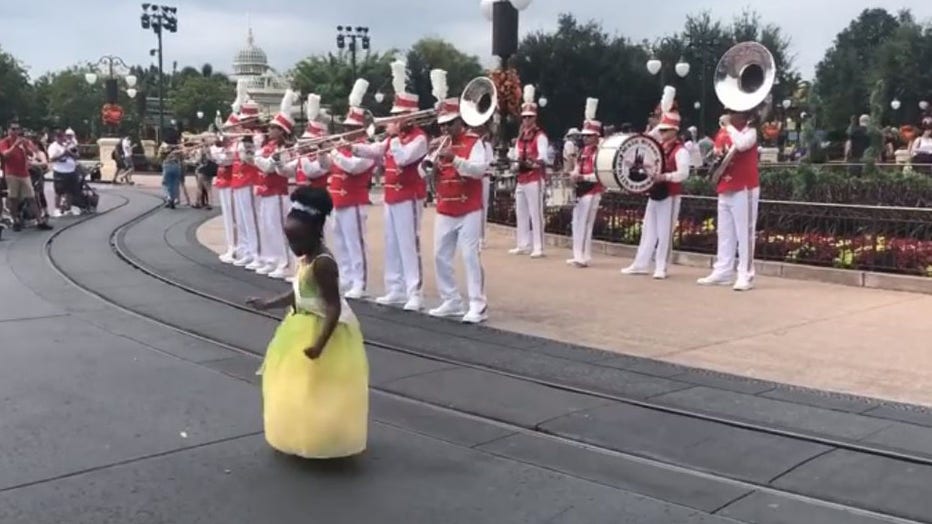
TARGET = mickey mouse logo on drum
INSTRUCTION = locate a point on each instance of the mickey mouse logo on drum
(637, 160)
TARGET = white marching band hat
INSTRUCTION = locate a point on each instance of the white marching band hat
(669, 116)
(356, 116)
(404, 102)
(314, 128)
(529, 107)
(591, 126)
(283, 120)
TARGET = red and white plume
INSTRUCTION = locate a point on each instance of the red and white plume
(358, 92)
(312, 108)
(399, 76)
(241, 96)
(529, 93)
(438, 84)
(592, 106)
(288, 102)
(668, 98)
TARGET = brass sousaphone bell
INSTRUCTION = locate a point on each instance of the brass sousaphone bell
(477, 106)
(743, 79)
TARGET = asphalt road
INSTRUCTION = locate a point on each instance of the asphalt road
(138, 403)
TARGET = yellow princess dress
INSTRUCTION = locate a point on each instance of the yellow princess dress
(315, 408)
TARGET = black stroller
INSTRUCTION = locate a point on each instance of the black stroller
(85, 197)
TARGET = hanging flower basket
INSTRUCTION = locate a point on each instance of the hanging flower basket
(112, 114)
(508, 85)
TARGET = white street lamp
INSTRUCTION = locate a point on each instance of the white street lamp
(653, 66)
(787, 103)
(130, 81)
(486, 7)
(131, 92)
(924, 105)
(542, 101)
(90, 78)
(697, 105)
(895, 104)
(380, 97)
(520, 5)
(682, 68)
(200, 115)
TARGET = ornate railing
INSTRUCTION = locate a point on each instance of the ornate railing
(864, 237)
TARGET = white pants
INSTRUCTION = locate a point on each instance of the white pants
(529, 212)
(486, 189)
(464, 232)
(403, 269)
(584, 213)
(272, 213)
(660, 219)
(228, 211)
(247, 222)
(349, 243)
(737, 225)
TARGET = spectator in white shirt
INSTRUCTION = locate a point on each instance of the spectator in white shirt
(63, 154)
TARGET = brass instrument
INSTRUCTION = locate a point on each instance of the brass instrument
(429, 164)
(743, 80)
(477, 106)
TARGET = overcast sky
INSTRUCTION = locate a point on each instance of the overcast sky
(52, 34)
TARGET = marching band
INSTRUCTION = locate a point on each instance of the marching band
(257, 162)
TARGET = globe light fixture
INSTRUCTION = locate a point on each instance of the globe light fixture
(682, 68)
(130, 80)
(380, 97)
(486, 7)
(131, 92)
(200, 115)
(697, 105)
(895, 104)
(924, 105)
(520, 5)
(542, 101)
(653, 66)
(787, 103)
(90, 78)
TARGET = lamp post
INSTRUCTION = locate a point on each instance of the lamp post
(160, 18)
(357, 36)
(113, 67)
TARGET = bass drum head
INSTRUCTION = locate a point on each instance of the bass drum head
(628, 162)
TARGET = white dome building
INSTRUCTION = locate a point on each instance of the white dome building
(264, 85)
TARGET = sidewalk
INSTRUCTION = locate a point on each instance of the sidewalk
(832, 337)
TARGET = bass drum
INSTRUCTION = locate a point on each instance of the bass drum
(560, 192)
(627, 162)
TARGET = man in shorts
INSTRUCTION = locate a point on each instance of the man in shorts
(63, 159)
(15, 150)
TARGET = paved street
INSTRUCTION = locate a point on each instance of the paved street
(126, 399)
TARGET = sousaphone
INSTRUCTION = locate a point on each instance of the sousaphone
(743, 79)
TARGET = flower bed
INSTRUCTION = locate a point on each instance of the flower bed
(870, 238)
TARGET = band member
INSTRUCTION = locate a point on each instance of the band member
(223, 153)
(663, 205)
(588, 189)
(350, 177)
(570, 150)
(245, 176)
(405, 191)
(309, 170)
(738, 198)
(272, 193)
(460, 166)
(531, 154)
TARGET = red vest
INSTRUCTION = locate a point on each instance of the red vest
(224, 175)
(458, 195)
(742, 173)
(527, 149)
(405, 183)
(348, 190)
(587, 167)
(675, 188)
(302, 179)
(244, 175)
(270, 184)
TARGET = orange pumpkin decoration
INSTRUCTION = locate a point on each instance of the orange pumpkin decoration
(771, 130)
(112, 114)
(908, 133)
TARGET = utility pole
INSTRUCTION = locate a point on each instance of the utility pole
(352, 34)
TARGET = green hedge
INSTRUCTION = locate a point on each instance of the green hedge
(807, 183)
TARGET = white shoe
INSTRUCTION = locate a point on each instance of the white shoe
(743, 284)
(448, 309)
(633, 270)
(391, 300)
(290, 279)
(243, 262)
(228, 258)
(537, 254)
(268, 269)
(414, 304)
(255, 265)
(660, 274)
(355, 293)
(518, 251)
(715, 280)
(474, 317)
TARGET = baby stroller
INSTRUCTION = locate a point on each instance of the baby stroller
(85, 198)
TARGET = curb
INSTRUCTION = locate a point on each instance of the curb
(828, 275)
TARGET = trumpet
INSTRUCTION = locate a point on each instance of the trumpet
(429, 164)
